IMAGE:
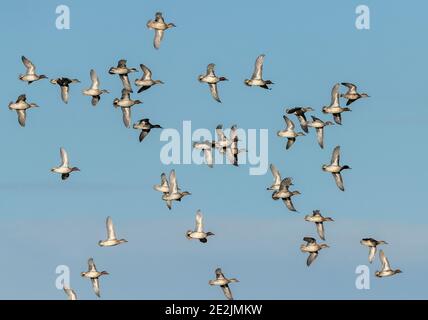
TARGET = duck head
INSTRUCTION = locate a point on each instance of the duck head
(247, 82)
(188, 233)
(42, 76)
(75, 169)
(138, 102)
(115, 102)
(170, 25)
(324, 167)
(209, 233)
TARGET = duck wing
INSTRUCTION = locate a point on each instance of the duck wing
(199, 222)
(320, 230)
(64, 93)
(220, 133)
(158, 38)
(22, 115)
(70, 293)
(219, 274)
(214, 91)
(210, 70)
(91, 265)
(227, 292)
(95, 81)
(258, 68)
(208, 157)
(372, 253)
(64, 158)
(126, 116)
(311, 258)
(335, 156)
(320, 137)
(339, 181)
(289, 123)
(173, 187)
(31, 68)
(384, 260)
(352, 88)
(276, 174)
(289, 204)
(96, 286)
(147, 74)
(111, 235)
(335, 96)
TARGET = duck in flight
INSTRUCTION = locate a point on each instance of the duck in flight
(94, 91)
(335, 168)
(318, 219)
(94, 275)
(64, 169)
(112, 240)
(257, 77)
(386, 270)
(30, 75)
(125, 103)
(223, 282)
(285, 194)
(159, 25)
(163, 186)
(319, 125)
(352, 94)
(21, 106)
(300, 112)
(372, 244)
(334, 108)
(174, 193)
(145, 126)
(64, 85)
(122, 70)
(199, 233)
(146, 81)
(289, 133)
(211, 79)
(313, 248)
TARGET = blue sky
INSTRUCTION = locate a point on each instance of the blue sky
(309, 46)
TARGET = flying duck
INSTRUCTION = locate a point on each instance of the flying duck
(145, 126)
(276, 178)
(207, 147)
(372, 244)
(94, 91)
(289, 133)
(30, 75)
(299, 112)
(174, 193)
(318, 219)
(352, 94)
(64, 85)
(285, 194)
(319, 125)
(20, 106)
(64, 169)
(70, 293)
(112, 240)
(211, 79)
(312, 247)
(199, 232)
(223, 282)
(146, 80)
(386, 270)
(257, 77)
(94, 275)
(159, 25)
(122, 70)
(334, 108)
(335, 168)
(125, 103)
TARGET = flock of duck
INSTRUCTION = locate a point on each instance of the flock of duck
(226, 146)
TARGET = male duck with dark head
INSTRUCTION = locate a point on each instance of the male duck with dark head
(300, 112)
(145, 126)
(285, 194)
(335, 168)
(94, 275)
(30, 75)
(64, 85)
(257, 77)
(211, 79)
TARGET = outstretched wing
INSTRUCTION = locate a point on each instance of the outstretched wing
(31, 69)
(147, 74)
(158, 38)
(199, 222)
(64, 158)
(94, 79)
(258, 68)
(111, 235)
(335, 95)
(335, 156)
(227, 292)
